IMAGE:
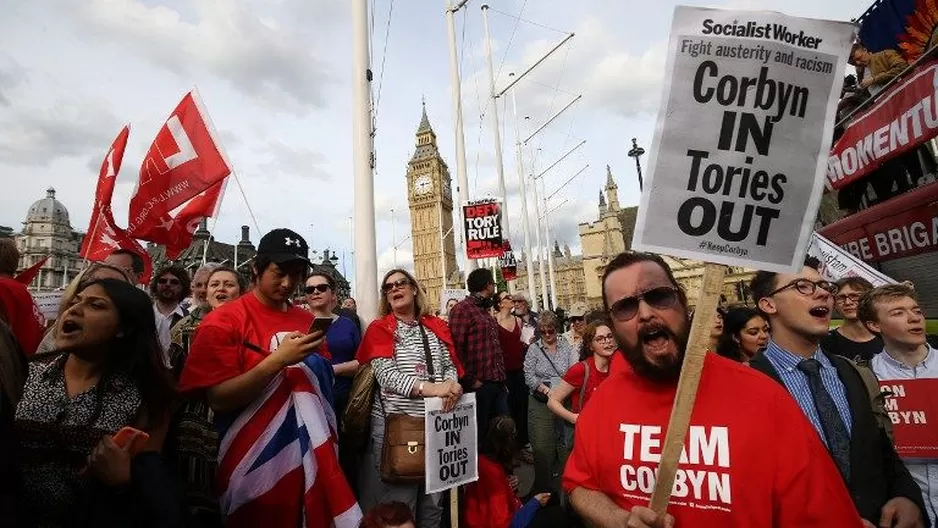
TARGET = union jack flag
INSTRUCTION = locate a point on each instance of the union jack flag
(278, 463)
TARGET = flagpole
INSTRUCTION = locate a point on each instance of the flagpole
(456, 93)
(499, 165)
(366, 259)
(209, 239)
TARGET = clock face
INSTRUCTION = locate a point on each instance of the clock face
(422, 185)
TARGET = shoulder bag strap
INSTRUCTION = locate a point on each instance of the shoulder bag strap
(550, 360)
(586, 378)
(426, 351)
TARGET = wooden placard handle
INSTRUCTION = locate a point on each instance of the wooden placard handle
(454, 507)
(710, 289)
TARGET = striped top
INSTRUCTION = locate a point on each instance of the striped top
(398, 376)
(796, 381)
(543, 366)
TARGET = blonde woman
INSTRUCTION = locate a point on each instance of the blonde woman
(397, 345)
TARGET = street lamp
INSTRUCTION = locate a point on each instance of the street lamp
(637, 153)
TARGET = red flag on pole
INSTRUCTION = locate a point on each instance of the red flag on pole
(27, 275)
(190, 215)
(184, 161)
(104, 237)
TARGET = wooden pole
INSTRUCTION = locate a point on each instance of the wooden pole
(710, 288)
(454, 507)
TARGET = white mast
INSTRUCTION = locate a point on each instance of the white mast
(366, 259)
(525, 222)
(499, 165)
(456, 90)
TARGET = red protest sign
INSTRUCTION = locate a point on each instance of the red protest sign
(482, 223)
(912, 408)
(508, 263)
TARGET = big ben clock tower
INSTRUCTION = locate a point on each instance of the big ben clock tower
(430, 197)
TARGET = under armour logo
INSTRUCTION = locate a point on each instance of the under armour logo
(292, 242)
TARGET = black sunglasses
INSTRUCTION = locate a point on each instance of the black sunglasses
(576, 319)
(388, 287)
(807, 287)
(660, 298)
(173, 281)
(321, 288)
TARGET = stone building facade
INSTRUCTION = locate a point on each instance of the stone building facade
(47, 231)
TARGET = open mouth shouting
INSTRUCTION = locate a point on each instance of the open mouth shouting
(69, 328)
(657, 340)
(821, 312)
(222, 297)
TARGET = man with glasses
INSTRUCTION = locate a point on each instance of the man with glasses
(475, 335)
(168, 288)
(746, 434)
(832, 395)
(852, 339)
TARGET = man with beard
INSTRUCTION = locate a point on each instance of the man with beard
(750, 458)
(168, 288)
(832, 395)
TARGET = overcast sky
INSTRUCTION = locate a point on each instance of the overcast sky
(275, 76)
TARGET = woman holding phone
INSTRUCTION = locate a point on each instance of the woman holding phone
(108, 375)
(397, 345)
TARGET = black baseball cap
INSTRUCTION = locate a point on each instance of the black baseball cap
(283, 245)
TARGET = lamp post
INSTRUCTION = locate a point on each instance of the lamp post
(637, 153)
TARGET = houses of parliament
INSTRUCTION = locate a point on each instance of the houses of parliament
(578, 277)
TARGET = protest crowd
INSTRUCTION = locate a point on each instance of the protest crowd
(170, 398)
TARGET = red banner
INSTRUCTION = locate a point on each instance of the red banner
(483, 228)
(508, 263)
(900, 120)
(903, 226)
(27, 275)
(104, 237)
(913, 409)
(187, 220)
(183, 161)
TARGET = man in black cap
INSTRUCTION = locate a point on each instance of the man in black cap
(251, 357)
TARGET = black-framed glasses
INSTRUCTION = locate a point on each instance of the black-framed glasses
(577, 319)
(388, 287)
(548, 331)
(321, 288)
(852, 297)
(807, 287)
(661, 297)
(172, 281)
(604, 338)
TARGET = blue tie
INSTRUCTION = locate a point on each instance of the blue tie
(838, 440)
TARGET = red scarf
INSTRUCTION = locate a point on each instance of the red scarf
(378, 341)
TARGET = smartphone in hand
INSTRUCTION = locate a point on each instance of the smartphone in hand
(320, 324)
(124, 435)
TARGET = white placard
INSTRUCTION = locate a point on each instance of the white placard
(447, 294)
(738, 161)
(48, 303)
(837, 264)
(451, 446)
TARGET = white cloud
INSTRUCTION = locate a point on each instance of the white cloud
(273, 62)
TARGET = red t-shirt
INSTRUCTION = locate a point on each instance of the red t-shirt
(751, 458)
(575, 375)
(218, 352)
(489, 501)
(20, 311)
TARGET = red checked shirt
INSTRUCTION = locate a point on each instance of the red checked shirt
(475, 334)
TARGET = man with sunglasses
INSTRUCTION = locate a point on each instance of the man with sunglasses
(168, 288)
(832, 395)
(750, 457)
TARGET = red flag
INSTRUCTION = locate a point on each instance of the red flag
(27, 275)
(183, 161)
(104, 237)
(187, 220)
